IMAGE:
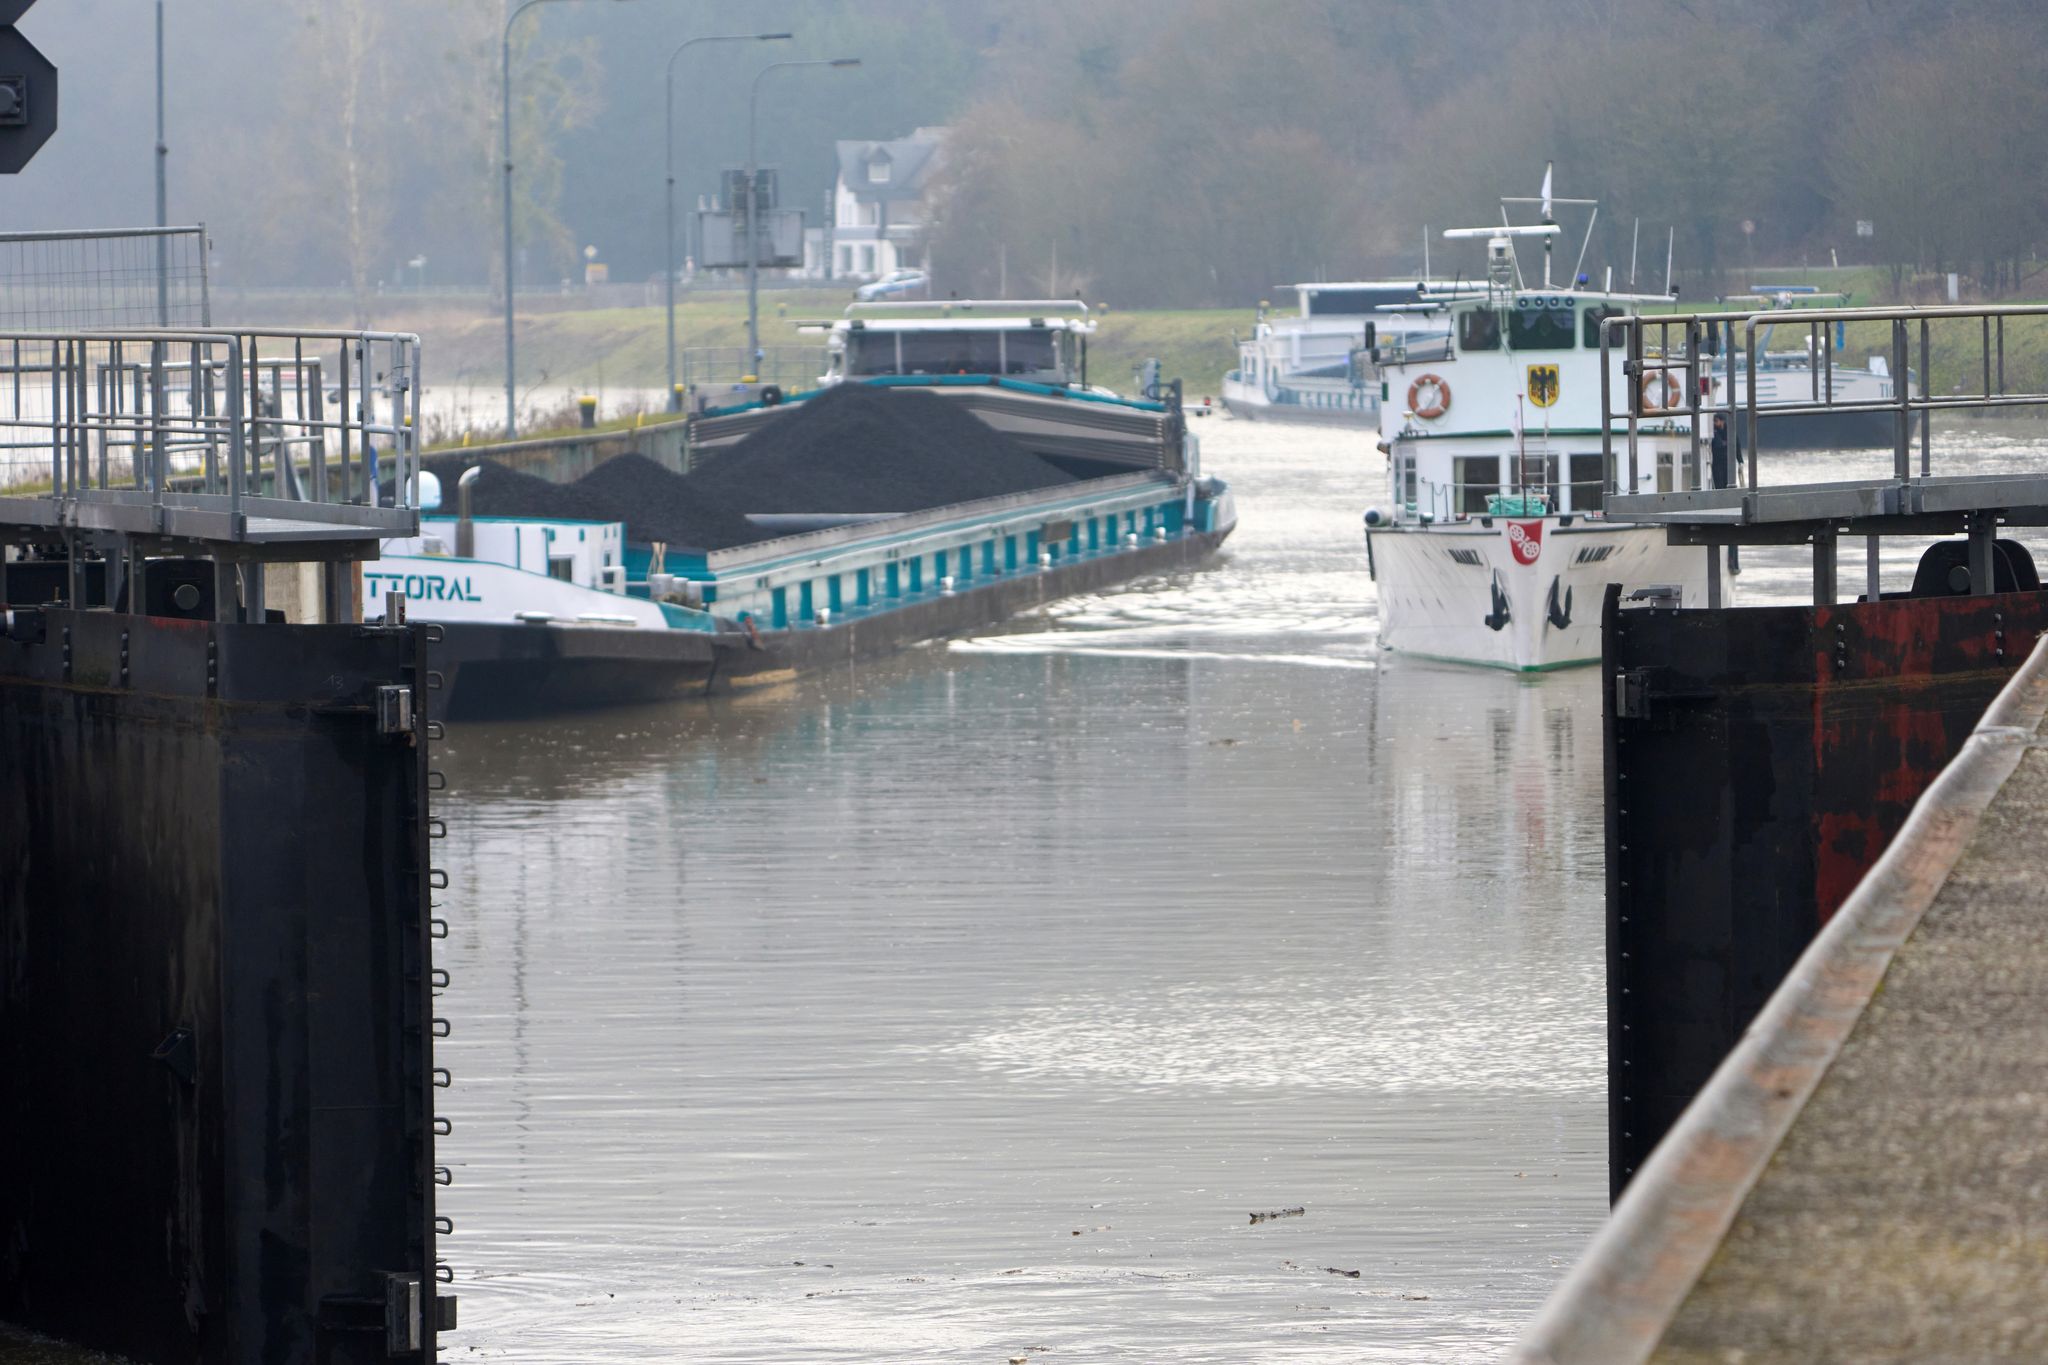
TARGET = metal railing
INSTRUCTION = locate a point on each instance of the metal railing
(1688, 347)
(210, 433)
(1442, 500)
(792, 367)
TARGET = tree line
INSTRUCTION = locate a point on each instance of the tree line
(1147, 152)
(1200, 151)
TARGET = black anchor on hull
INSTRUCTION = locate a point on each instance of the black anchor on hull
(1560, 617)
(1500, 615)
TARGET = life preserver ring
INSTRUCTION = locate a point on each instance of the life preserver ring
(1662, 391)
(1435, 390)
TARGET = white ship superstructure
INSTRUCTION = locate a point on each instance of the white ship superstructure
(1494, 547)
(1315, 365)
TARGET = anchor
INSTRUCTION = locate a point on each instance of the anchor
(1560, 617)
(1500, 615)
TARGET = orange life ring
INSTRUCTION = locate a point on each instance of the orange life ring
(1666, 384)
(1440, 396)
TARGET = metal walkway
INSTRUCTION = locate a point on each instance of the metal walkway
(1862, 1177)
(1921, 496)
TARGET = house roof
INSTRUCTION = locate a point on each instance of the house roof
(912, 160)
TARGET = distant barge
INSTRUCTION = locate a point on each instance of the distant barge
(541, 614)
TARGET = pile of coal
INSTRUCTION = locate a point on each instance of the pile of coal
(676, 509)
(859, 448)
(854, 448)
(500, 491)
(653, 503)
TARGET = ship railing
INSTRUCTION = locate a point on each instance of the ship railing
(211, 434)
(788, 367)
(1443, 500)
(1429, 349)
(1675, 356)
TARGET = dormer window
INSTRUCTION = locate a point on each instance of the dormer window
(879, 167)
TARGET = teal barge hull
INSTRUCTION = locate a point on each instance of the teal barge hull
(843, 595)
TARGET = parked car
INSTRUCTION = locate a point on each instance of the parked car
(892, 284)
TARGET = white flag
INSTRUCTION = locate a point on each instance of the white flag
(1547, 167)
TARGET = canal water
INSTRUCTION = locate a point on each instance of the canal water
(970, 1005)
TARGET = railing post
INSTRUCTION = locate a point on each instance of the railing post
(1902, 435)
(1702, 474)
(1926, 393)
(159, 456)
(237, 437)
(1632, 376)
(1607, 470)
(1756, 453)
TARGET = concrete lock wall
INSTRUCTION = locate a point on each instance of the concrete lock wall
(564, 459)
(215, 991)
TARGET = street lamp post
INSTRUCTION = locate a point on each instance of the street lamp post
(163, 251)
(669, 160)
(754, 202)
(505, 127)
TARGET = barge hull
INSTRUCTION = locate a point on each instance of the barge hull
(499, 671)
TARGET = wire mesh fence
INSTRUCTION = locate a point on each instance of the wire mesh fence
(104, 279)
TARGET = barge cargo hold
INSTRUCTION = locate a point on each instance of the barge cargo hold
(903, 501)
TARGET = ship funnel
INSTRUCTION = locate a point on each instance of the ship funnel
(465, 529)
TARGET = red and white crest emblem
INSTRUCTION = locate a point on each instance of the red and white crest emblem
(1527, 539)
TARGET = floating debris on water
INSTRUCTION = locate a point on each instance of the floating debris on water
(1297, 1211)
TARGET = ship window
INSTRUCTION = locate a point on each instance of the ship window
(1593, 316)
(1476, 476)
(1032, 352)
(950, 353)
(1541, 327)
(562, 567)
(1479, 330)
(870, 353)
(1589, 483)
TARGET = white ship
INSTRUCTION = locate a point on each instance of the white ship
(1315, 366)
(1493, 548)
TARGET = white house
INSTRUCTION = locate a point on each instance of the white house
(880, 208)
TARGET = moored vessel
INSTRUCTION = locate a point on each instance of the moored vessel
(1315, 366)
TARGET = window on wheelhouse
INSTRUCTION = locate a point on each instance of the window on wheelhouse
(1479, 330)
(1540, 327)
(1034, 352)
(1476, 477)
(951, 352)
(870, 353)
(1593, 316)
(1589, 482)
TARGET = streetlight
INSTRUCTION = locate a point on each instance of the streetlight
(511, 413)
(669, 136)
(163, 151)
(754, 202)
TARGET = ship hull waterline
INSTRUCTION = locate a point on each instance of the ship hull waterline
(1465, 594)
(505, 671)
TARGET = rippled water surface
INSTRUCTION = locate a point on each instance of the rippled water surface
(964, 1006)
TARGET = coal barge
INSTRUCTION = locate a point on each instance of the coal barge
(949, 473)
